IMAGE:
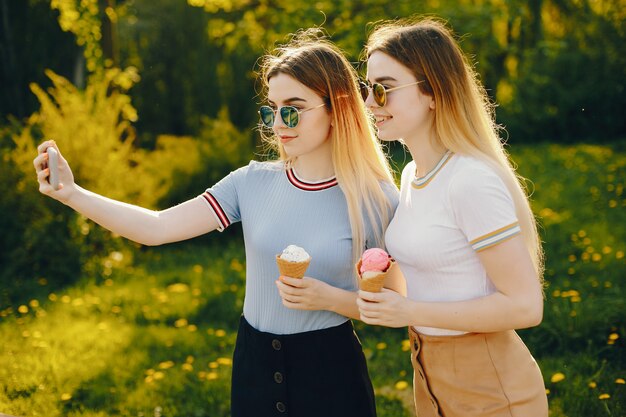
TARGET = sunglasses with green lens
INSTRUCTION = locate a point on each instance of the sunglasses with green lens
(289, 114)
(380, 91)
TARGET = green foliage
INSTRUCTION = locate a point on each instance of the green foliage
(34, 233)
(82, 19)
(220, 148)
(555, 67)
(43, 241)
(569, 92)
(93, 130)
(31, 41)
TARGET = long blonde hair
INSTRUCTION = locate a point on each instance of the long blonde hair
(464, 120)
(358, 160)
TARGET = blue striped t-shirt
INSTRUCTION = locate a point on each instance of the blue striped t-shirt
(278, 209)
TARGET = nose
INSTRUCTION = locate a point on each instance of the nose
(369, 100)
(278, 122)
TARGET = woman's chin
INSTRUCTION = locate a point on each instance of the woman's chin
(385, 137)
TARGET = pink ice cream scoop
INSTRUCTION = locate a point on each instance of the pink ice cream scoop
(374, 259)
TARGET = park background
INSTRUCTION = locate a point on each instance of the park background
(152, 101)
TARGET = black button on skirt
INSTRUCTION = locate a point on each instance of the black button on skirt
(310, 374)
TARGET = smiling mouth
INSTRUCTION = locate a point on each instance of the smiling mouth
(382, 119)
(286, 139)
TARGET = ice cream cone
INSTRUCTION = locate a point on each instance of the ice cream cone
(292, 269)
(373, 283)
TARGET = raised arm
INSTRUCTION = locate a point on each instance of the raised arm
(148, 227)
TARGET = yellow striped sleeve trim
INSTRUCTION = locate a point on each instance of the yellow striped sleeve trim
(495, 237)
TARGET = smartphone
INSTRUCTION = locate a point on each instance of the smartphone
(53, 165)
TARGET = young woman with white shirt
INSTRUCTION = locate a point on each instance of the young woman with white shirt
(463, 234)
(331, 192)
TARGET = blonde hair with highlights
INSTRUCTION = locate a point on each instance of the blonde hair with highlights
(464, 117)
(358, 160)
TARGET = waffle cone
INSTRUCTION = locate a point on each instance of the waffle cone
(292, 269)
(375, 283)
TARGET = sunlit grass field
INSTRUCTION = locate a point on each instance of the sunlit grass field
(155, 336)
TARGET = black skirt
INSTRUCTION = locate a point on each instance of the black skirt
(310, 374)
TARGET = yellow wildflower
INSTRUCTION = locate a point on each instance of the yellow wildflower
(620, 381)
(592, 384)
(178, 287)
(558, 377)
(166, 364)
(181, 323)
(604, 396)
(400, 385)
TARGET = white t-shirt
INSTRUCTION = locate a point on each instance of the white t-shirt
(459, 208)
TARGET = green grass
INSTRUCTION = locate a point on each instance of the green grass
(156, 336)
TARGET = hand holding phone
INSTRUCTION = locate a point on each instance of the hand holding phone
(53, 165)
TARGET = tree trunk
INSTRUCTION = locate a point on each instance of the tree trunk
(108, 42)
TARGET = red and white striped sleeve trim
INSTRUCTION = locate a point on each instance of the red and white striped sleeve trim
(217, 210)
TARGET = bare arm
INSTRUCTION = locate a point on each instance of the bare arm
(312, 294)
(189, 219)
(517, 303)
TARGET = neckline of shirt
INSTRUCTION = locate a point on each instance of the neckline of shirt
(426, 179)
(309, 185)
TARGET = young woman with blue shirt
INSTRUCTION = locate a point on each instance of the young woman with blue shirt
(331, 192)
(463, 233)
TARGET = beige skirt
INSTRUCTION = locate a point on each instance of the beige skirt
(476, 374)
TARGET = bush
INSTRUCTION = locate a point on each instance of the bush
(43, 241)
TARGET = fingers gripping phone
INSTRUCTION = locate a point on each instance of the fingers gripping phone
(53, 165)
